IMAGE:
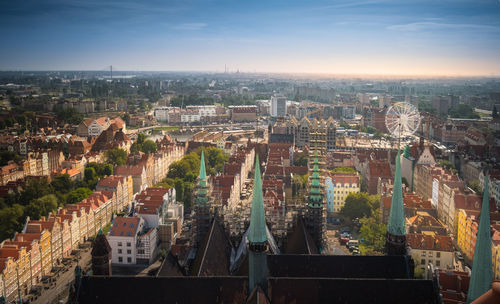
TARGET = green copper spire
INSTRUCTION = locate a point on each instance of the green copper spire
(407, 152)
(396, 225)
(203, 173)
(482, 272)
(257, 230)
(201, 191)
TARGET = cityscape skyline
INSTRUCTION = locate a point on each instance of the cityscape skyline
(421, 38)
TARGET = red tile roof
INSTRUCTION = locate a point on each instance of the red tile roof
(430, 242)
(125, 226)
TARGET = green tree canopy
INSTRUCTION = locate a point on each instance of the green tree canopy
(69, 115)
(41, 206)
(62, 183)
(34, 188)
(78, 195)
(116, 156)
(6, 156)
(149, 146)
(372, 232)
(11, 221)
(463, 111)
(359, 205)
(302, 160)
(344, 170)
(426, 106)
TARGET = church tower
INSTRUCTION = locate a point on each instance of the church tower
(314, 209)
(202, 204)
(396, 235)
(257, 237)
(482, 269)
(101, 255)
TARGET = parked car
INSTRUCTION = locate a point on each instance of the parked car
(345, 229)
(344, 238)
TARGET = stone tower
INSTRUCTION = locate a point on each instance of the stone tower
(101, 255)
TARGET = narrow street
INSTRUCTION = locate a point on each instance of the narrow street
(60, 290)
(333, 246)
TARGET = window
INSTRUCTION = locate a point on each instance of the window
(129, 244)
(438, 254)
(120, 259)
(423, 253)
(119, 243)
(430, 254)
(119, 251)
(140, 251)
(129, 251)
(422, 262)
(129, 260)
(438, 263)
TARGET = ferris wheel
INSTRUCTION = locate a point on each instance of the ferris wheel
(402, 119)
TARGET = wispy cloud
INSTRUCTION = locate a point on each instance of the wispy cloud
(428, 26)
(190, 26)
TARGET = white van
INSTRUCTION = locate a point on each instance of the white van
(353, 243)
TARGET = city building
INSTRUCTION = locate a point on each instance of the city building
(343, 185)
(278, 106)
(131, 241)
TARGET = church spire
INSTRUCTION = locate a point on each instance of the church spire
(203, 173)
(396, 234)
(396, 225)
(257, 230)
(202, 207)
(482, 272)
(257, 237)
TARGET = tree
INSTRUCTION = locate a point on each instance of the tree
(41, 206)
(78, 195)
(344, 170)
(358, 205)
(11, 220)
(33, 189)
(463, 111)
(149, 146)
(372, 232)
(90, 175)
(141, 137)
(116, 156)
(126, 118)
(474, 185)
(426, 106)
(179, 189)
(178, 169)
(62, 183)
(215, 159)
(6, 156)
(302, 160)
(69, 115)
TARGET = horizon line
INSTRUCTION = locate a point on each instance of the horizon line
(317, 74)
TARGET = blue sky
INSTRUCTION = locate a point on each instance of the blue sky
(439, 37)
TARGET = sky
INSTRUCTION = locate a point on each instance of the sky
(394, 37)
